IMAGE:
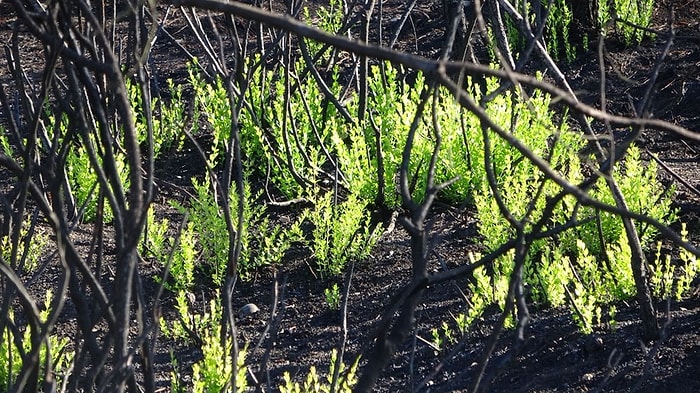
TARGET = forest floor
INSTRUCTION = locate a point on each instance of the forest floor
(556, 357)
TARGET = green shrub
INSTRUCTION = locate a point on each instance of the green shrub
(341, 232)
(263, 243)
(593, 273)
(31, 245)
(626, 14)
(168, 120)
(213, 372)
(314, 384)
(628, 17)
(673, 281)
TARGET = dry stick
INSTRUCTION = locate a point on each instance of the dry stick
(146, 348)
(123, 109)
(344, 330)
(362, 79)
(314, 129)
(673, 173)
(663, 335)
(31, 151)
(402, 22)
(388, 339)
(31, 156)
(272, 328)
(321, 83)
(127, 221)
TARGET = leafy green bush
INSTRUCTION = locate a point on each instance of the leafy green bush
(81, 173)
(643, 193)
(84, 184)
(580, 270)
(158, 244)
(263, 243)
(341, 232)
(213, 373)
(332, 295)
(211, 102)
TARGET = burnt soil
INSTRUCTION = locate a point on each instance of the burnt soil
(556, 357)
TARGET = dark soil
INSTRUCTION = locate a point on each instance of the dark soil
(555, 356)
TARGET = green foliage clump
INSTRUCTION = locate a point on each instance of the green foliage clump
(630, 17)
(212, 101)
(84, 183)
(315, 384)
(587, 268)
(213, 372)
(168, 120)
(329, 19)
(332, 295)
(30, 246)
(81, 171)
(341, 233)
(673, 281)
(263, 243)
(159, 245)
(11, 356)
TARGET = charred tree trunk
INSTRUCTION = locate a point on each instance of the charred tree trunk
(584, 27)
(460, 18)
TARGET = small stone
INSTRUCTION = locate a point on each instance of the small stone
(593, 343)
(247, 310)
